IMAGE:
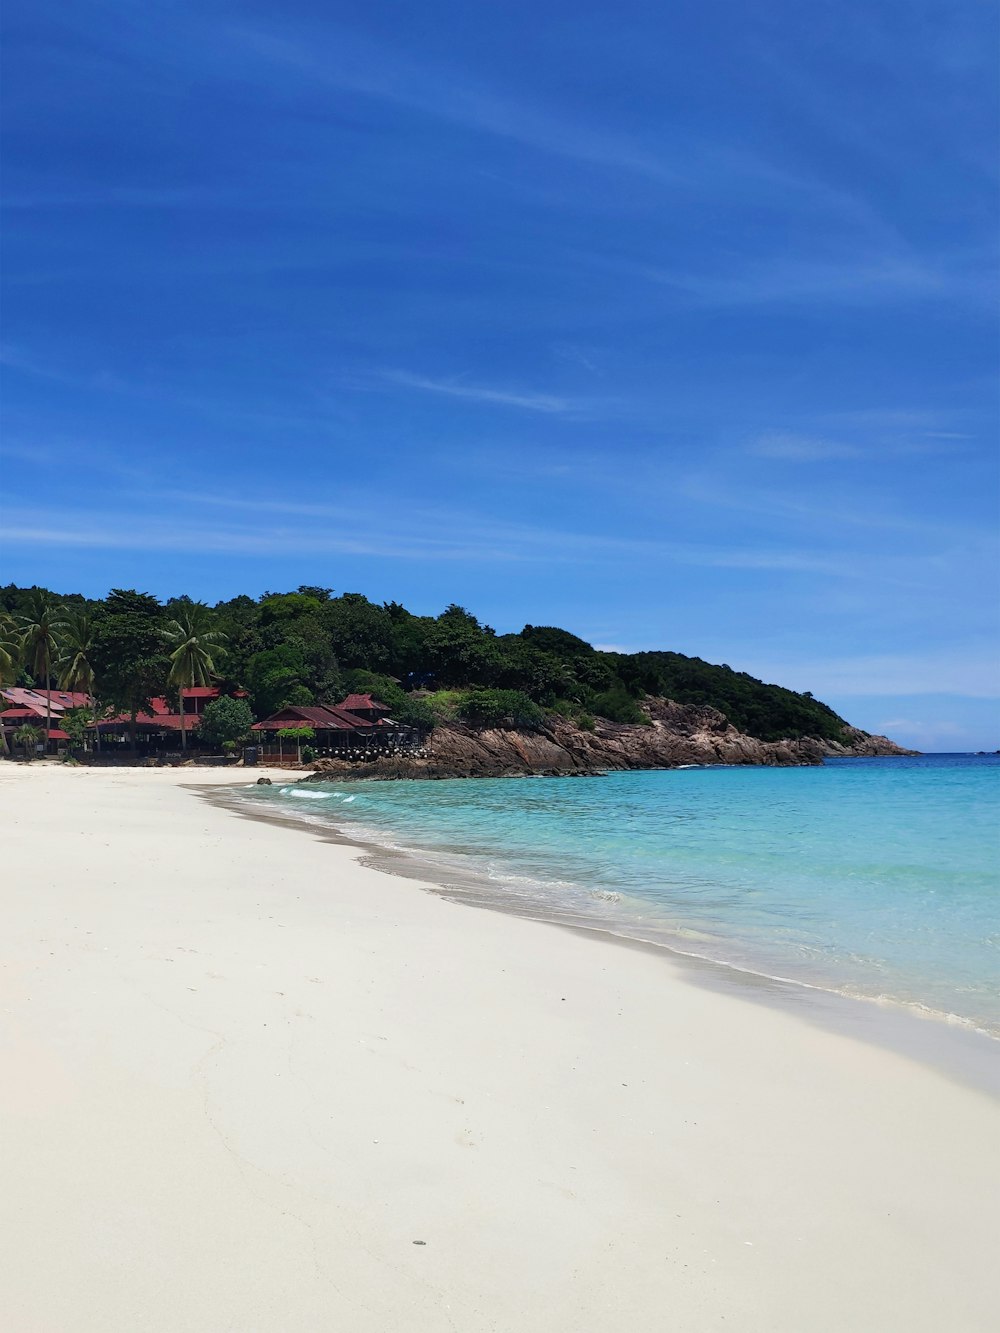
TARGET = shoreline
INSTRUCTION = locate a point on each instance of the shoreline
(948, 1043)
(238, 1057)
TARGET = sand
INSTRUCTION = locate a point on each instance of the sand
(249, 1084)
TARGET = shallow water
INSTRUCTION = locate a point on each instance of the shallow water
(878, 878)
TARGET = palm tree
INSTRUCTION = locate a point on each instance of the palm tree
(76, 671)
(27, 736)
(41, 639)
(10, 661)
(194, 640)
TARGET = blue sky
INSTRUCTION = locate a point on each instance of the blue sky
(674, 325)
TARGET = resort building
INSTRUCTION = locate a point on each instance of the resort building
(359, 727)
(21, 705)
(159, 728)
(156, 730)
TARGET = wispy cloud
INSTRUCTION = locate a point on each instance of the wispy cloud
(961, 669)
(423, 533)
(848, 280)
(120, 196)
(480, 393)
(340, 58)
(790, 448)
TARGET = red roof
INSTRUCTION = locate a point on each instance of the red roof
(319, 716)
(160, 705)
(363, 703)
(35, 699)
(153, 721)
(17, 715)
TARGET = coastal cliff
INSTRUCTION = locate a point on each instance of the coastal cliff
(676, 734)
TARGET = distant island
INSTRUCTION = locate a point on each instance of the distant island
(451, 696)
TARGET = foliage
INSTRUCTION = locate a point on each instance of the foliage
(10, 650)
(297, 734)
(500, 708)
(76, 646)
(617, 705)
(404, 708)
(28, 737)
(443, 705)
(128, 656)
(39, 628)
(75, 722)
(768, 712)
(40, 644)
(308, 754)
(194, 638)
(224, 720)
(310, 646)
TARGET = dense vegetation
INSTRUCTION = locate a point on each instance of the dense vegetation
(309, 646)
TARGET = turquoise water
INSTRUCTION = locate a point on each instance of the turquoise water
(879, 878)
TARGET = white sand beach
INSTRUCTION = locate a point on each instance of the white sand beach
(252, 1085)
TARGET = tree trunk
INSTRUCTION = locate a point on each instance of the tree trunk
(184, 739)
(131, 729)
(48, 703)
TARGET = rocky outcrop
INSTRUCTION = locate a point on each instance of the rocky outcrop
(861, 744)
(677, 734)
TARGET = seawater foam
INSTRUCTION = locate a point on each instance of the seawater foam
(874, 877)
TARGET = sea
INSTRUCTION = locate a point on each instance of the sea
(876, 878)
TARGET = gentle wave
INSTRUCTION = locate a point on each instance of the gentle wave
(874, 880)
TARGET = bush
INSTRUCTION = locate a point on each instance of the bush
(224, 720)
(619, 706)
(444, 705)
(500, 708)
(308, 754)
(585, 722)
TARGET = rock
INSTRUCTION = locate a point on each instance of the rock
(676, 734)
(264, 782)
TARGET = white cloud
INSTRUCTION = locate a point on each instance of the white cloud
(479, 393)
(790, 448)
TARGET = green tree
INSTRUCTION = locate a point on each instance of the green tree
(10, 662)
(500, 708)
(130, 665)
(193, 637)
(274, 675)
(224, 720)
(360, 633)
(76, 670)
(76, 723)
(460, 651)
(41, 645)
(28, 737)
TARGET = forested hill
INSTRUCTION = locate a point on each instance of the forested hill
(311, 646)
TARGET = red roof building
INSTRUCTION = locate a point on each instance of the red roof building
(335, 729)
(35, 701)
(33, 706)
(364, 705)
